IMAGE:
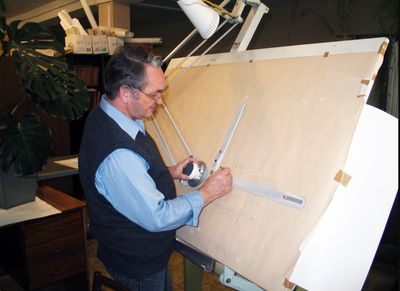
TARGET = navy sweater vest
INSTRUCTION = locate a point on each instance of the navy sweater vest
(123, 245)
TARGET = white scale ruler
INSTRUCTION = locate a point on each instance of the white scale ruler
(269, 192)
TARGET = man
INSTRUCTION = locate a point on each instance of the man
(131, 198)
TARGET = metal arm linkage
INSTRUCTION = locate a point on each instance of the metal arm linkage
(229, 278)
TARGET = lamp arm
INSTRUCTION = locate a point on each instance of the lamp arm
(179, 46)
(191, 53)
(189, 37)
(219, 8)
(206, 51)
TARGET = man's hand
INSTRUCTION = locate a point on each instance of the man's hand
(217, 185)
(176, 171)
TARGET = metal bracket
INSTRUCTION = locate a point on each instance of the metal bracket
(229, 278)
(196, 257)
(250, 25)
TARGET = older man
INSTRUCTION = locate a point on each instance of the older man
(132, 204)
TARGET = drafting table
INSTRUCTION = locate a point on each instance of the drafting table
(301, 133)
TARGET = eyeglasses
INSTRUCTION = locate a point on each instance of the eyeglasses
(153, 96)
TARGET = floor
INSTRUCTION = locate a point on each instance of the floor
(383, 275)
(209, 280)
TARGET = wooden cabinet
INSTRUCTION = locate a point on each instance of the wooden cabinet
(51, 249)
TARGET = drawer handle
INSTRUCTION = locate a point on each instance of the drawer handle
(59, 272)
(57, 251)
(56, 229)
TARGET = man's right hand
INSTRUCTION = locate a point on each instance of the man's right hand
(217, 185)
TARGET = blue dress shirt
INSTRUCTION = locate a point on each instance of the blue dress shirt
(123, 180)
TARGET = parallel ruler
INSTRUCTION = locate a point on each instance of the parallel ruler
(220, 155)
(269, 192)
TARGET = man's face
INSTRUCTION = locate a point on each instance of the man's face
(150, 96)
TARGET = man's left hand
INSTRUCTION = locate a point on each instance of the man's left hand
(176, 171)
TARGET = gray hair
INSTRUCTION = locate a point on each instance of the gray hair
(126, 67)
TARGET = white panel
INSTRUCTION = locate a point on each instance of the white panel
(340, 251)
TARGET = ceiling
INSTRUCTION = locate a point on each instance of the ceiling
(43, 10)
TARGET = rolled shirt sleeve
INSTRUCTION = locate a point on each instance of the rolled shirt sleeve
(122, 178)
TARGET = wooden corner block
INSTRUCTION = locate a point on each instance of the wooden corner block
(342, 178)
(289, 285)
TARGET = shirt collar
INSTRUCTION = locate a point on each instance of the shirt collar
(131, 127)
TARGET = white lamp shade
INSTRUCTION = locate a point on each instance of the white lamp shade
(203, 17)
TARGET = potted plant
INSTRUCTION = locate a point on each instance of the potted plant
(46, 81)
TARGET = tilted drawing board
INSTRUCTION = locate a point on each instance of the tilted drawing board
(303, 104)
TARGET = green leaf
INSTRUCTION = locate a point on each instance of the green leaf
(2, 26)
(62, 96)
(33, 36)
(47, 80)
(2, 7)
(4, 31)
(25, 144)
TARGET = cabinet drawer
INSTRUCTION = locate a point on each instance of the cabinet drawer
(59, 249)
(56, 271)
(52, 228)
(56, 260)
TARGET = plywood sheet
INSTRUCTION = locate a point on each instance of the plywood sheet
(301, 112)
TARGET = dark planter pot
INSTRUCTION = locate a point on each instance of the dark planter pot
(15, 190)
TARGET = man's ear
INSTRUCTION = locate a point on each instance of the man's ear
(124, 94)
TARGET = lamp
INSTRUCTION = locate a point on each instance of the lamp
(206, 21)
(202, 16)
